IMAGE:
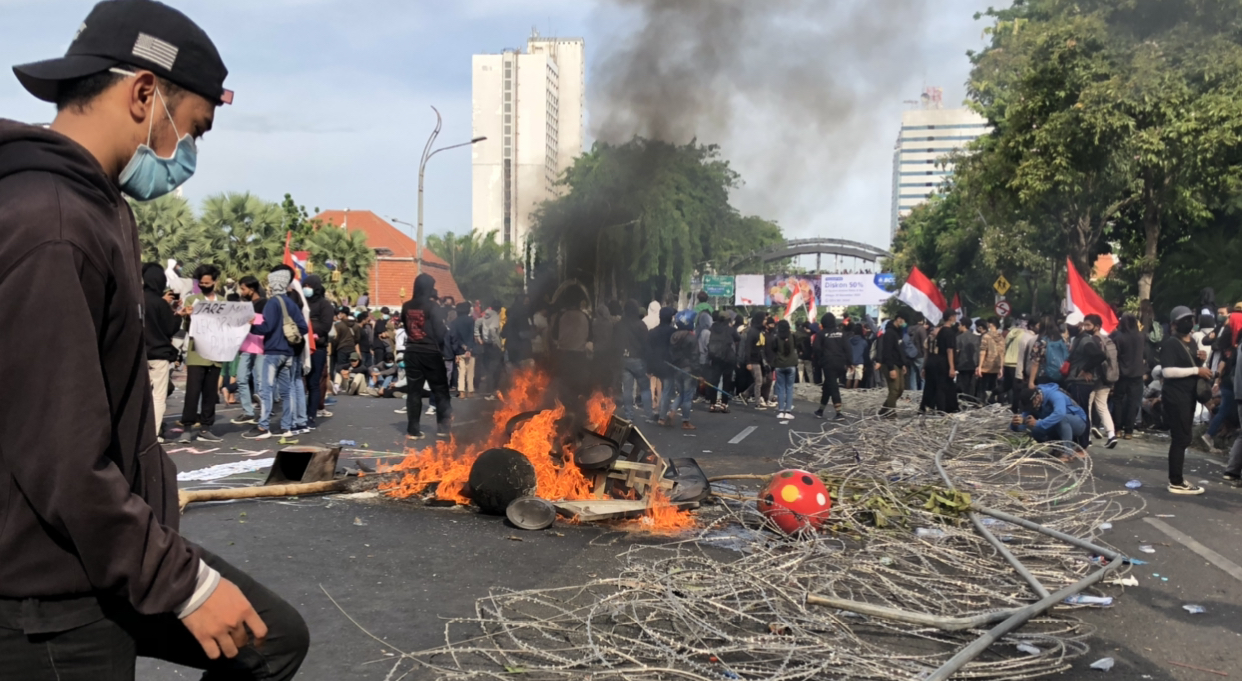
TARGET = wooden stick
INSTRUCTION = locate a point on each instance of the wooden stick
(290, 490)
(1198, 669)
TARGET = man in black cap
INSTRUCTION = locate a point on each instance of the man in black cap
(93, 571)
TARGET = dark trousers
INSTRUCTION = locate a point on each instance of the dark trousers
(831, 389)
(939, 391)
(426, 367)
(200, 383)
(1127, 399)
(492, 363)
(988, 389)
(1179, 416)
(967, 382)
(719, 372)
(1011, 389)
(1081, 394)
(314, 382)
(895, 387)
(106, 650)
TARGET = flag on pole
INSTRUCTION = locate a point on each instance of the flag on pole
(288, 259)
(957, 307)
(1082, 300)
(923, 295)
(795, 299)
(298, 261)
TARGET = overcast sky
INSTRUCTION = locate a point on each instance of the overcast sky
(333, 102)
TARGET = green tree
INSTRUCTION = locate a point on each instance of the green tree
(482, 267)
(350, 256)
(299, 221)
(639, 219)
(253, 231)
(167, 229)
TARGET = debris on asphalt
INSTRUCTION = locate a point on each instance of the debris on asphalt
(1106, 526)
(1084, 599)
(1147, 548)
(359, 522)
(1133, 484)
(1125, 581)
(1103, 664)
(1029, 649)
(348, 443)
(224, 470)
(1194, 609)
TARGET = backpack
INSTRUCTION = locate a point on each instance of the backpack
(287, 324)
(1056, 355)
(908, 347)
(1112, 370)
(683, 348)
(720, 348)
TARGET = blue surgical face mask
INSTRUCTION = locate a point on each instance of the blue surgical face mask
(149, 176)
(308, 292)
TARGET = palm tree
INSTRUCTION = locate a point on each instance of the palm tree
(483, 268)
(252, 229)
(350, 256)
(168, 230)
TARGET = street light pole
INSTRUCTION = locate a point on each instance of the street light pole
(422, 171)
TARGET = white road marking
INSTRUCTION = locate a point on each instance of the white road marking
(1189, 542)
(742, 435)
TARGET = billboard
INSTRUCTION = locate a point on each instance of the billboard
(855, 289)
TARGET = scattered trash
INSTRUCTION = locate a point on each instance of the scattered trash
(929, 532)
(1146, 548)
(224, 470)
(1205, 482)
(251, 452)
(1133, 484)
(514, 537)
(1165, 515)
(1127, 581)
(885, 560)
(707, 451)
(288, 441)
(1103, 664)
(359, 522)
(1194, 609)
(1156, 575)
(1106, 526)
(1133, 561)
(1164, 579)
(1084, 599)
(348, 443)
(1029, 649)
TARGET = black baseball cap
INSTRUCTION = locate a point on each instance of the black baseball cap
(140, 34)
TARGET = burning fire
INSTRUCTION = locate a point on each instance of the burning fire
(599, 412)
(663, 516)
(448, 463)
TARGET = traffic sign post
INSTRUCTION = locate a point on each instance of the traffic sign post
(1002, 285)
(1002, 308)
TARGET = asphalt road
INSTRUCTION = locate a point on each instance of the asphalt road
(398, 568)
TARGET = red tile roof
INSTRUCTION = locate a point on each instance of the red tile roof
(392, 278)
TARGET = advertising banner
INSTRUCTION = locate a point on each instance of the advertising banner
(854, 289)
(793, 292)
(748, 289)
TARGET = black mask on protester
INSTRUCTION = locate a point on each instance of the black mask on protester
(206, 289)
(1185, 325)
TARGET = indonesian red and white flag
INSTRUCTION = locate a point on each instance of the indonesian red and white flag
(957, 307)
(1082, 300)
(923, 295)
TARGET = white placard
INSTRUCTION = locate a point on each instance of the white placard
(218, 329)
(844, 290)
(748, 289)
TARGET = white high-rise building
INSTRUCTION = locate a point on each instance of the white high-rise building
(531, 105)
(928, 134)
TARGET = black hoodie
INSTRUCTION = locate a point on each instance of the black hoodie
(832, 349)
(88, 499)
(423, 318)
(161, 322)
(322, 311)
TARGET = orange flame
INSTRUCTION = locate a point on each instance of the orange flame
(600, 409)
(535, 439)
(662, 516)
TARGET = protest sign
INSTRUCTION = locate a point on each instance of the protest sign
(219, 328)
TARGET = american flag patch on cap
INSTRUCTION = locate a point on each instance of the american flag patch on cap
(226, 97)
(155, 50)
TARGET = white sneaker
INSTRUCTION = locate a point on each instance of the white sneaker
(789, 415)
(399, 411)
(431, 411)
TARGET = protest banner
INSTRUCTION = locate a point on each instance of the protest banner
(218, 328)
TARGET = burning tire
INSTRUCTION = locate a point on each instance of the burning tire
(498, 477)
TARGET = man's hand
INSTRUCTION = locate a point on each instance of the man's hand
(748, 367)
(220, 624)
(892, 374)
(1015, 421)
(1030, 422)
(169, 297)
(1205, 372)
(979, 372)
(466, 355)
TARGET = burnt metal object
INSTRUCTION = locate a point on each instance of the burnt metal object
(531, 513)
(689, 480)
(303, 464)
(595, 452)
(498, 477)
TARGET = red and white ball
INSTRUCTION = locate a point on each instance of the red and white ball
(796, 500)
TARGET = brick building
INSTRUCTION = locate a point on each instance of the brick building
(392, 277)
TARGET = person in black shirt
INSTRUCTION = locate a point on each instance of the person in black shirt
(832, 354)
(893, 363)
(425, 329)
(159, 326)
(1182, 365)
(940, 369)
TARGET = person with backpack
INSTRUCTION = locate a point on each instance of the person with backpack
(1049, 356)
(1092, 374)
(722, 343)
(283, 326)
(832, 353)
(785, 360)
(894, 362)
